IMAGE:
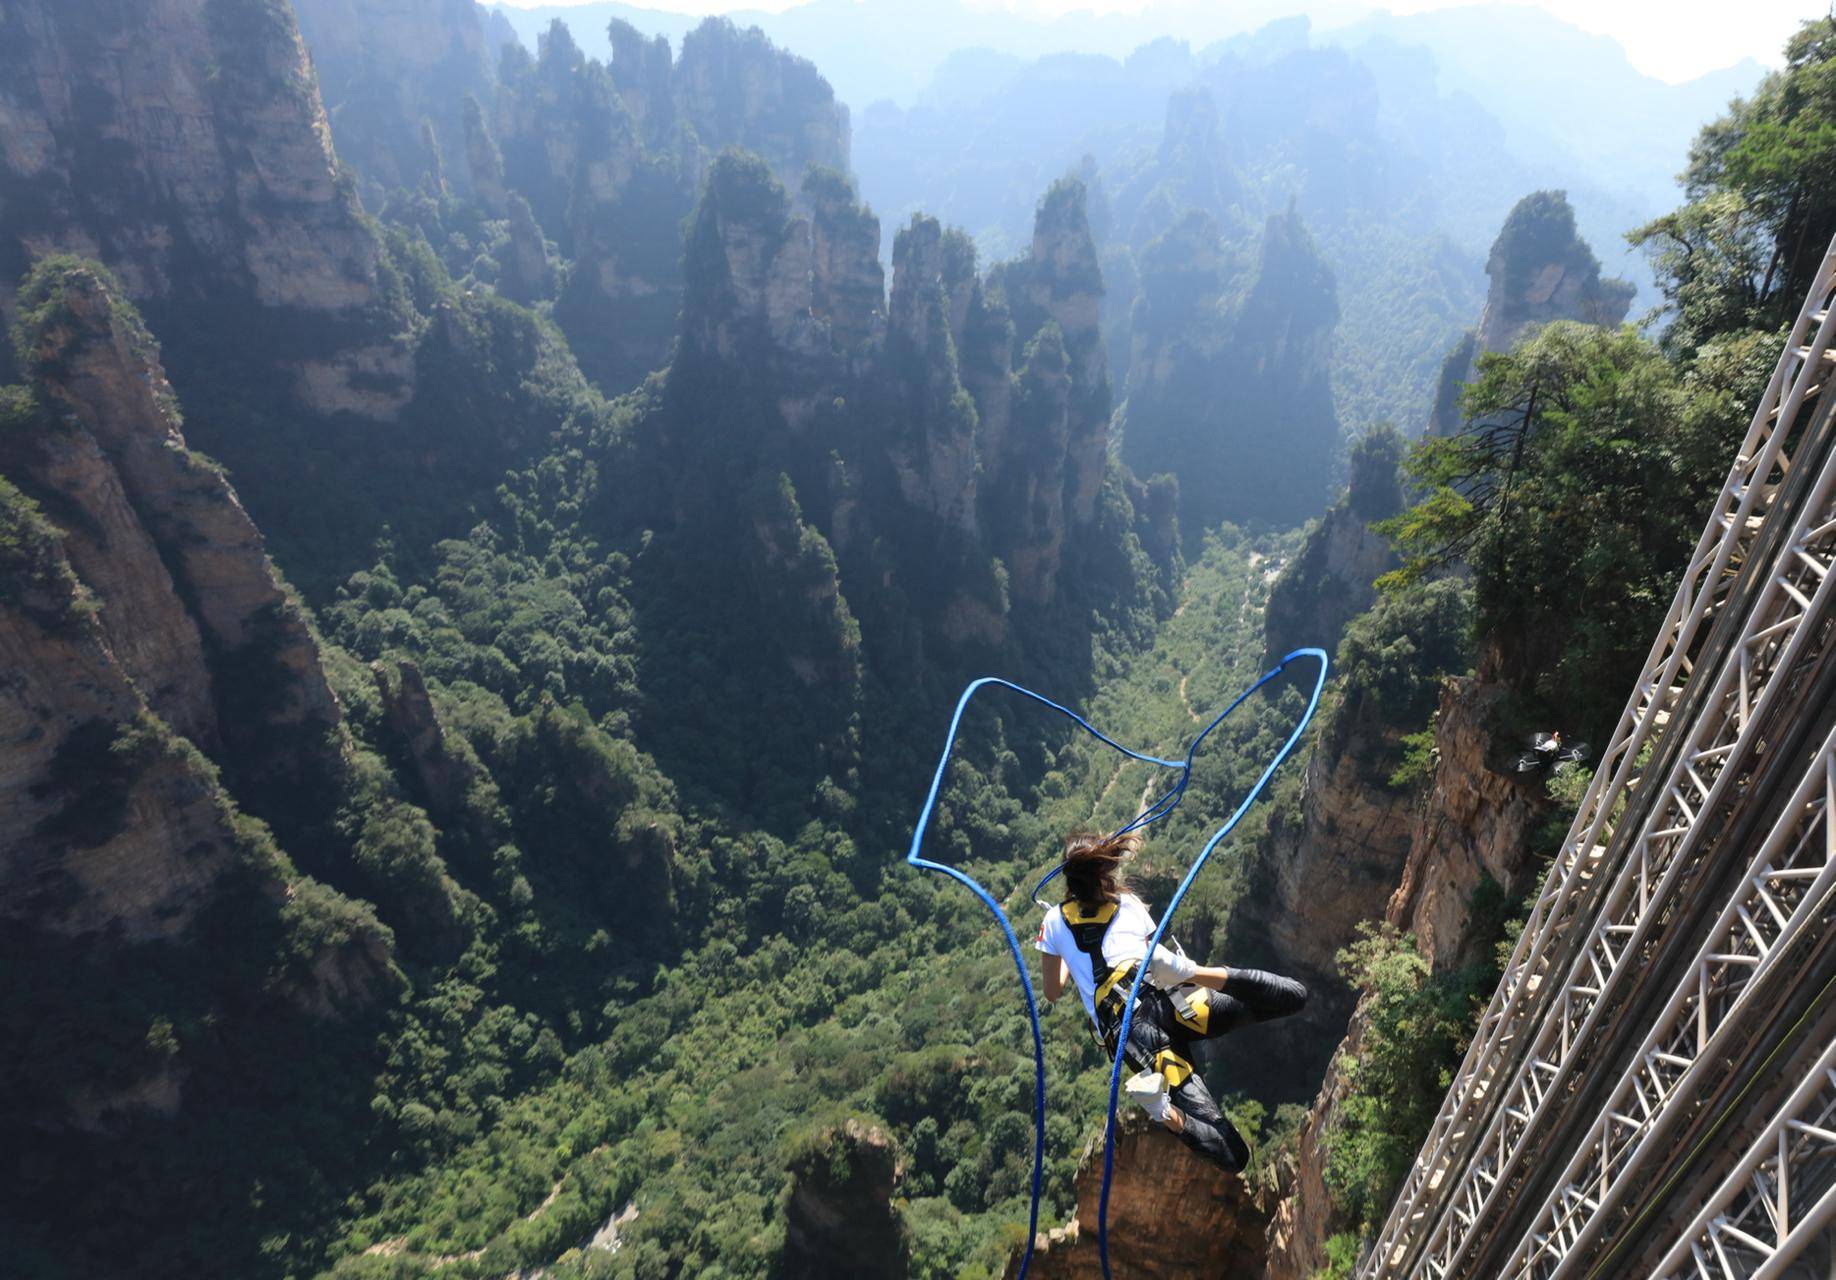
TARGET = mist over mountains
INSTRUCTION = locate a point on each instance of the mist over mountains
(492, 526)
(1396, 138)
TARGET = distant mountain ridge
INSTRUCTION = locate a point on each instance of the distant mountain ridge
(915, 37)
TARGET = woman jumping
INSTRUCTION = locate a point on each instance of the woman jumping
(1100, 935)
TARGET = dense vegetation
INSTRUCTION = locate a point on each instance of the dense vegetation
(1567, 502)
(651, 944)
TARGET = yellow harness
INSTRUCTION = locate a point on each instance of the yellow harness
(1191, 1004)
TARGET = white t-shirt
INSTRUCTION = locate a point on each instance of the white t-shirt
(1127, 939)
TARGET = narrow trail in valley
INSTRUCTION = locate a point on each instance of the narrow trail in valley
(1245, 615)
(399, 1245)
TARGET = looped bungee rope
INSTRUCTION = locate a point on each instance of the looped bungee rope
(1155, 812)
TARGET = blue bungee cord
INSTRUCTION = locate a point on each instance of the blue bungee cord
(1013, 943)
(1153, 813)
(1134, 988)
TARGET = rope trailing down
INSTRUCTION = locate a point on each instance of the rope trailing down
(1155, 812)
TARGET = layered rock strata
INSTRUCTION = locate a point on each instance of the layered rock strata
(1473, 824)
(1172, 1214)
(183, 142)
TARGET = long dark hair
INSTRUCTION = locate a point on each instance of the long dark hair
(1093, 866)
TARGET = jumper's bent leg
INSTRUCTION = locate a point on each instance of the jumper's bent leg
(1206, 1129)
(1252, 995)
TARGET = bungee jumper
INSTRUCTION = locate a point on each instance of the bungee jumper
(1098, 937)
(1261, 1002)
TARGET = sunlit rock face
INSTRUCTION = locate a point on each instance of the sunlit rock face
(142, 627)
(185, 145)
(1540, 270)
(200, 582)
(1472, 823)
(1172, 1214)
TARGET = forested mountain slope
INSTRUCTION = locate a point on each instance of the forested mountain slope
(524, 879)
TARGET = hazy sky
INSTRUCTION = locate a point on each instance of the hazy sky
(1671, 39)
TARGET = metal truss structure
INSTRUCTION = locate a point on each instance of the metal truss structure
(1781, 1194)
(1685, 792)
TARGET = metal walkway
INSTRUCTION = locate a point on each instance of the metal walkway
(1652, 1089)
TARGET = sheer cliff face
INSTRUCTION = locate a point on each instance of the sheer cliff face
(384, 67)
(1540, 270)
(611, 160)
(933, 278)
(948, 444)
(737, 89)
(1193, 170)
(158, 533)
(779, 287)
(1332, 580)
(183, 143)
(1471, 824)
(139, 622)
(1047, 461)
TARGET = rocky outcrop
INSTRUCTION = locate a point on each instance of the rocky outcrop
(120, 837)
(185, 572)
(1172, 1214)
(1047, 456)
(1064, 284)
(1540, 270)
(847, 284)
(122, 847)
(384, 67)
(443, 774)
(183, 142)
(112, 828)
(612, 160)
(484, 162)
(839, 1219)
(643, 71)
(528, 276)
(1283, 334)
(1331, 581)
(1321, 877)
(1471, 824)
(906, 422)
(1193, 170)
(783, 289)
(936, 459)
(802, 609)
(1475, 823)
(735, 88)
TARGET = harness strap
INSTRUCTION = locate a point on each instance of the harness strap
(1173, 1068)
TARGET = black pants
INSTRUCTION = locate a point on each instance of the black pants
(1159, 1039)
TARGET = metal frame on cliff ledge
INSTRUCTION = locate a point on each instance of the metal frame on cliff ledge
(1670, 980)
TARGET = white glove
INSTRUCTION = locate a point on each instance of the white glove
(1167, 970)
(1148, 1090)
